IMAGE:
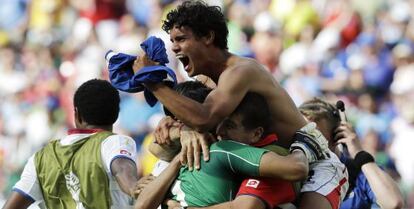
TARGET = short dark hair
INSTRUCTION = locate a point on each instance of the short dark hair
(194, 90)
(255, 112)
(97, 102)
(317, 109)
(201, 19)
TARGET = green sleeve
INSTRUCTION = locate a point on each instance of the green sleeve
(240, 158)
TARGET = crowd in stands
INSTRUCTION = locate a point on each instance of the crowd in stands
(361, 52)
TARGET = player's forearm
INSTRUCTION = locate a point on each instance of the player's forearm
(165, 152)
(190, 112)
(384, 187)
(293, 167)
(153, 194)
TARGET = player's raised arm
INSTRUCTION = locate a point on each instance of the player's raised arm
(384, 188)
(231, 88)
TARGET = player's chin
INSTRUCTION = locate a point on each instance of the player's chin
(190, 72)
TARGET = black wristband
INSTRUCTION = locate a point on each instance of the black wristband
(362, 158)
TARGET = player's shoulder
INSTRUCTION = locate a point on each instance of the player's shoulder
(226, 145)
(243, 66)
(244, 63)
(118, 139)
(277, 149)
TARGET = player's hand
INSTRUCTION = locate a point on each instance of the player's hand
(141, 61)
(311, 142)
(192, 143)
(162, 131)
(141, 184)
(345, 134)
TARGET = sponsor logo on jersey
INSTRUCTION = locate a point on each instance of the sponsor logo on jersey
(253, 183)
(125, 152)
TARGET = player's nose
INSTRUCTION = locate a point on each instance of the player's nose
(175, 48)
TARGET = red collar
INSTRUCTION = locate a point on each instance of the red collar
(83, 131)
(266, 141)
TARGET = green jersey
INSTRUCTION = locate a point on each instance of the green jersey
(219, 179)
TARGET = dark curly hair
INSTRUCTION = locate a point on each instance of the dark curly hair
(201, 19)
(97, 102)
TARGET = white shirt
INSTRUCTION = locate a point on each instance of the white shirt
(159, 167)
(113, 147)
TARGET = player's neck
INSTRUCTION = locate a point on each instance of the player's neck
(106, 128)
(218, 63)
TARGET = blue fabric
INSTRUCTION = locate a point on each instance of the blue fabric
(122, 75)
(155, 49)
(362, 196)
(153, 74)
(120, 72)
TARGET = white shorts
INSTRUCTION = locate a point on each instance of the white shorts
(328, 178)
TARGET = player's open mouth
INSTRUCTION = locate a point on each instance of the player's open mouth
(185, 60)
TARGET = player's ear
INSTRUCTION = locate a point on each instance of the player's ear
(209, 38)
(258, 132)
(78, 118)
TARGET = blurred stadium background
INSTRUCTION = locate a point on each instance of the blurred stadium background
(354, 50)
